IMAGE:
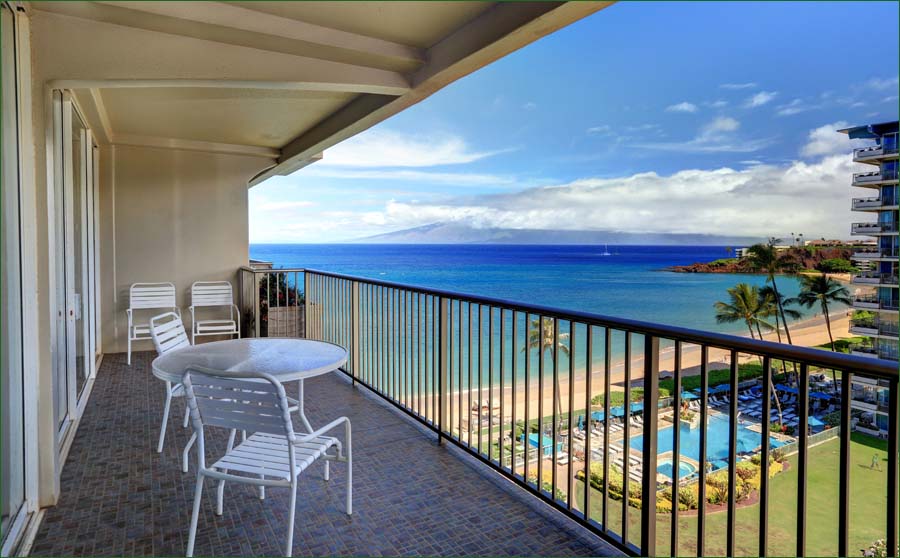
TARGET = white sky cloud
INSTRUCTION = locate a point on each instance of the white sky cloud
(760, 200)
(825, 140)
(603, 130)
(718, 103)
(883, 84)
(379, 149)
(760, 99)
(683, 106)
(717, 136)
(747, 85)
(796, 106)
(426, 177)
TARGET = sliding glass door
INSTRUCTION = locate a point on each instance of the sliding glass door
(76, 259)
(12, 433)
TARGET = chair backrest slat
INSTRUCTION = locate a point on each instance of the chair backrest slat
(211, 293)
(243, 400)
(168, 333)
(151, 295)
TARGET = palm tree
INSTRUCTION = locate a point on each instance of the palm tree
(765, 258)
(746, 305)
(822, 290)
(541, 336)
(771, 299)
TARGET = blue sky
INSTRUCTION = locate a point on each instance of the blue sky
(695, 117)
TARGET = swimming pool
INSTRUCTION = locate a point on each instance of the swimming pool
(716, 440)
(684, 469)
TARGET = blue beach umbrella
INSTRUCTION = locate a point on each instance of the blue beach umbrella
(813, 421)
(689, 396)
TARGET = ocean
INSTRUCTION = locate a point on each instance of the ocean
(630, 283)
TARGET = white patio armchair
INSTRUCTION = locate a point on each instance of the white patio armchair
(147, 296)
(168, 334)
(212, 294)
(274, 455)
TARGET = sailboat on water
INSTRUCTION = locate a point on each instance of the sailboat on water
(605, 251)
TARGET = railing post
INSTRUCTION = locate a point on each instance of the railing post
(355, 332)
(256, 316)
(306, 315)
(443, 368)
(648, 474)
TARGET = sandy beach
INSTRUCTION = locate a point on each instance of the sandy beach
(809, 332)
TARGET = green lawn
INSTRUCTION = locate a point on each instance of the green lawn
(868, 503)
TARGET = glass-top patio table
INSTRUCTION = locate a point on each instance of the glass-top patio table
(286, 360)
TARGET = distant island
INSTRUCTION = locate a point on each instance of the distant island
(832, 259)
(459, 233)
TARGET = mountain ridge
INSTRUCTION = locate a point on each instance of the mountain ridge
(452, 233)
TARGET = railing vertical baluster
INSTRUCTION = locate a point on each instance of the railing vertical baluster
(443, 371)
(704, 410)
(764, 458)
(256, 306)
(570, 481)
(540, 417)
(514, 326)
(732, 454)
(502, 384)
(471, 363)
(676, 450)
(650, 445)
(626, 441)
(526, 434)
(356, 332)
(480, 383)
(802, 459)
(607, 386)
(306, 283)
(586, 425)
(554, 423)
(844, 466)
(459, 377)
(892, 466)
(491, 385)
(422, 337)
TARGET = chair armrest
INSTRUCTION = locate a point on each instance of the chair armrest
(331, 425)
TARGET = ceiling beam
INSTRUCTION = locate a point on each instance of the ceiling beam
(137, 57)
(504, 28)
(194, 145)
(238, 18)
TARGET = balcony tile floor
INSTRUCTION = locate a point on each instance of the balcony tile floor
(411, 497)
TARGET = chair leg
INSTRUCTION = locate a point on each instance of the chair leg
(291, 510)
(129, 348)
(327, 477)
(349, 472)
(165, 421)
(187, 414)
(220, 496)
(186, 454)
(192, 534)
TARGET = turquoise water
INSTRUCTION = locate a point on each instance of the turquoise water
(629, 284)
(684, 469)
(716, 441)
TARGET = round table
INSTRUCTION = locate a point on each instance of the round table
(286, 360)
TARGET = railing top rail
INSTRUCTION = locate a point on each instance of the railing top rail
(817, 357)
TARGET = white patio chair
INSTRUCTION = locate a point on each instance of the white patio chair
(147, 296)
(274, 454)
(211, 294)
(168, 334)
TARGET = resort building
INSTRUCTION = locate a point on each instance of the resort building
(879, 298)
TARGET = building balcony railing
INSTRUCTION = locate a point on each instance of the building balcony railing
(875, 278)
(872, 203)
(873, 227)
(874, 254)
(873, 152)
(529, 391)
(874, 177)
(874, 302)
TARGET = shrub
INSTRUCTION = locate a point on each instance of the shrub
(687, 497)
(663, 506)
(777, 455)
(832, 419)
(878, 549)
(836, 265)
